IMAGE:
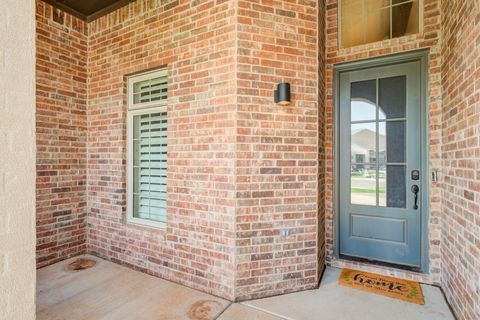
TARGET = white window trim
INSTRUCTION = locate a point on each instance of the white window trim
(134, 110)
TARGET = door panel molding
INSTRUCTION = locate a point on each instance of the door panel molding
(380, 234)
(420, 56)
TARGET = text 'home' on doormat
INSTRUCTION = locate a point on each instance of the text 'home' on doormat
(405, 290)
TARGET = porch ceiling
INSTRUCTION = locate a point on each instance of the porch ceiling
(88, 10)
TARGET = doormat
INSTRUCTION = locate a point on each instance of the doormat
(80, 264)
(405, 290)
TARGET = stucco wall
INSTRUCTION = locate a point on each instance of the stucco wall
(17, 160)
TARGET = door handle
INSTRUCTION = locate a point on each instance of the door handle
(415, 190)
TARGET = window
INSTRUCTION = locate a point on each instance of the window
(365, 21)
(147, 148)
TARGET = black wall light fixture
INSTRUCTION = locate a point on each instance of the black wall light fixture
(282, 94)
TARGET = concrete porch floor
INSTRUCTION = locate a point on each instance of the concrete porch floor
(110, 291)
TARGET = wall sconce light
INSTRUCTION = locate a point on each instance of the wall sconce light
(281, 96)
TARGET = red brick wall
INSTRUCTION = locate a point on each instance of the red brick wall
(428, 40)
(196, 41)
(461, 156)
(277, 148)
(225, 134)
(61, 134)
(240, 167)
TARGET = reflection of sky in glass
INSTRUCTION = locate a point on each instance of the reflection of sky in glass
(382, 129)
(381, 114)
(363, 109)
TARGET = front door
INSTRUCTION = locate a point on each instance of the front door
(380, 164)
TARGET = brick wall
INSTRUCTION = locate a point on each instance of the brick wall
(196, 41)
(236, 160)
(428, 40)
(61, 42)
(277, 148)
(226, 205)
(241, 168)
(461, 156)
(17, 160)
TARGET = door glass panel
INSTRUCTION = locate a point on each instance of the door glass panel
(363, 143)
(363, 100)
(396, 141)
(382, 186)
(378, 142)
(382, 142)
(392, 96)
(396, 186)
(363, 184)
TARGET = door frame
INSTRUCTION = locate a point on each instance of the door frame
(422, 56)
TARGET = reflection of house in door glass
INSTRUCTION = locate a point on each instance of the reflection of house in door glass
(367, 158)
(364, 145)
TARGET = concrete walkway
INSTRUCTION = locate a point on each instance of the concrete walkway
(110, 291)
(333, 302)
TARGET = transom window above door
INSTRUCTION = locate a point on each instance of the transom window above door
(366, 21)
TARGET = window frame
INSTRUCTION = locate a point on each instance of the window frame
(132, 111)
(339, 23)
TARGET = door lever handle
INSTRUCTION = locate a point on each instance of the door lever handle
(415, 190)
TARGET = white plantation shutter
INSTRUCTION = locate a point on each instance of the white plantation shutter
(150, 166)
(148, 147)
(150, 90)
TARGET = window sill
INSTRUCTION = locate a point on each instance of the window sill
(143, 223)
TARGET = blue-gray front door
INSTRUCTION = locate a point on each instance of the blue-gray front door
(380, 163)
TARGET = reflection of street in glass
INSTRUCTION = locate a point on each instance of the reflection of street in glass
(364, 186)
